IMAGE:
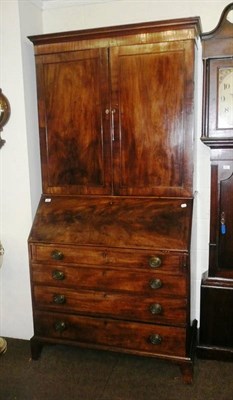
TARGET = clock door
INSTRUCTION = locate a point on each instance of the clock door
(73, 95)
(225, 256)
(225, 251)
(152, 102)
(221, 227)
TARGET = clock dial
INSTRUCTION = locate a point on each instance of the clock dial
(225, 98)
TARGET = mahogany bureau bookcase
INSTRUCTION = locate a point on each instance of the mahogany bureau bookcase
(110, 244)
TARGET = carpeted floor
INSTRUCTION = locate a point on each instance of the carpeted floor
(78, 374)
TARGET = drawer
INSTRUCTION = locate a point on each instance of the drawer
(116, 305)
(113, 334)
(112, 279)
(143, 259)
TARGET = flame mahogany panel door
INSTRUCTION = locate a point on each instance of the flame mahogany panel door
(142, 117)
(73, 91)
(152, 99)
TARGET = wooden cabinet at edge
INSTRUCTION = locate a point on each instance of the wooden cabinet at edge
(116, 133)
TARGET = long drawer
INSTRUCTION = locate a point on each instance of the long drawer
(112, 334)
(143, 281)
(172, 262)
(157, 309)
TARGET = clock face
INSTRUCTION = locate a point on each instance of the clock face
(225, 98)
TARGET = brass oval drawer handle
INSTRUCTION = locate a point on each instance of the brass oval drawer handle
(155, 339)
(57, 255)
(58, 275)
(155, 262)
(60, 326)
(59, 299)
(156, 309)
(156, 283)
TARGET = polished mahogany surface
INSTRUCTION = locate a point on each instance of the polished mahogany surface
(110, 244)
(114, 221)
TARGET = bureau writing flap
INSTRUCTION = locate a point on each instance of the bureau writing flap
(114, 222)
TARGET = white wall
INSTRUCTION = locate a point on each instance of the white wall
(31, 23)
(20, 176)
(96, 14)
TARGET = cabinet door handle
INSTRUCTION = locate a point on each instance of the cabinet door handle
(113, 124)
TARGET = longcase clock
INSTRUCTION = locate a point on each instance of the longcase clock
(216, 320)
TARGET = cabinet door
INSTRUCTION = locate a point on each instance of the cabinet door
(73, 91)
(152, 107)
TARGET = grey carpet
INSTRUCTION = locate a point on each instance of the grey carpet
(78, 374)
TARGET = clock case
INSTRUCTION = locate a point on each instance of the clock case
(217, 53)
(216, 313)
